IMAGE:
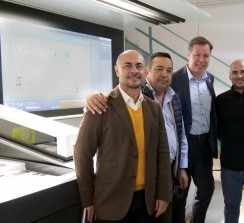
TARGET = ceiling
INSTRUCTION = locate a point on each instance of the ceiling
(207, 3)
(90, 11)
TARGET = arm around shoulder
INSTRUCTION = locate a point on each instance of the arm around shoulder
(96, 102)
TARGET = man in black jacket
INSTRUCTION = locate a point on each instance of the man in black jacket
(230, 114)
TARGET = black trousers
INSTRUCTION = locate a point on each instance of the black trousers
(166, 217)
(137, 212)
(200, 170)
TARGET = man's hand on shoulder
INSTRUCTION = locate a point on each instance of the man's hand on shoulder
(96, 103)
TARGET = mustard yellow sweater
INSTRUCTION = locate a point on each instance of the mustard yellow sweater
(138, 124)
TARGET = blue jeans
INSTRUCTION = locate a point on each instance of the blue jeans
(232, 184)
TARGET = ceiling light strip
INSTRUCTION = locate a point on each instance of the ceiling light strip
(159, 12)
(136, 10)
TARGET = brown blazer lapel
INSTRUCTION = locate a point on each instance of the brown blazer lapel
(147, 123)
(119, 106)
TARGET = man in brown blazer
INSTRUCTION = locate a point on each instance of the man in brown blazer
(132, 180)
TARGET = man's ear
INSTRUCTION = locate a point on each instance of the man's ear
(116, 70)
(230, 77)
(188, 54)
(147, 72)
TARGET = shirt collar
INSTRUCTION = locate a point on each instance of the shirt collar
(129, 99)
(169, 90)
(150, 87)
(190, 76)
(234, 91)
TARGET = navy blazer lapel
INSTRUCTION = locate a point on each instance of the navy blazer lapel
(186, 90)
(119, 106)
(209, 83)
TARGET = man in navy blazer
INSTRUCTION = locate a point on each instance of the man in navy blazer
(195, 88)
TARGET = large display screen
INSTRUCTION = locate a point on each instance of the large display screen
(46, 68)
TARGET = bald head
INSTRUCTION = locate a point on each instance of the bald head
(237, 62)
(237, 75)
(129, 54)
(130, 69)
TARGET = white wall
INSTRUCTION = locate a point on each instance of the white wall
(225, 30)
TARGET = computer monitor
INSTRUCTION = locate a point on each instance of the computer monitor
(45, 68)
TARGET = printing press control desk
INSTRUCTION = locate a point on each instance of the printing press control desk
(37, 176)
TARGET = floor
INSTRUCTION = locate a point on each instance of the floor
(215, 212)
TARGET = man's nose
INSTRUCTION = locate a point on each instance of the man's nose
(164, 73)
(134, 69)
(201, 58)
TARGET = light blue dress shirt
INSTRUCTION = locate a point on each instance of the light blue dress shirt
(170, 127)
(200, 104)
